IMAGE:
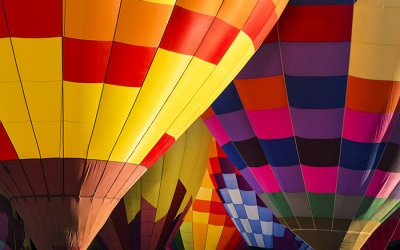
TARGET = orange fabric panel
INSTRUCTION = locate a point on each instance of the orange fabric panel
(91, 19)
(262, 93)
(236, 12)
(217, 219)
(373, 96)
(201, 206)
(207, 7)
(142, 23)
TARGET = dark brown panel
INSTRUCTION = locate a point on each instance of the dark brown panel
(318, 152)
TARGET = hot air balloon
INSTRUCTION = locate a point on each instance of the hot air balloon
(254, 220)
(152, 211)
(12, 232)
(207, 224)
(93, 92)
(386, 235)
(310, 120)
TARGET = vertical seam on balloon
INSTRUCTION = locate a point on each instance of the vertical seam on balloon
(183, 73)
(26, 105)
(97, 112)
(294, 134)
(377, 164)
(133, 104)
(397, 225)
(341, 136)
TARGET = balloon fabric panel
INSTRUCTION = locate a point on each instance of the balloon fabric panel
(93, 92)
(311, 121)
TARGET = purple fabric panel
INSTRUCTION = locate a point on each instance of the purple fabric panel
(279, 242)
(317, 123)
(226, 165)
(396, 192)
(237, 125)
(242, 183)
(265, 62)
(290, 178)
(219, 179)
(395, 135)
(251, 180)
(353, 182)
(316, 58)
(260, 203)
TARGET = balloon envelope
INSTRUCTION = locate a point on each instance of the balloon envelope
(255, 221)
(93, 92)
(152, 211)
(310, 121)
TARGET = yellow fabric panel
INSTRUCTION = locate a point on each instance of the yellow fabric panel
(23, 139)
(81, 101)
(164, 73)
(46, 115)
(233, 61)
(376, 21)
(12, 103)
(90, 19)
(16, 121)
(372, 61)
(39, 59)
(8, 71)
(48, 136)
(192, 79)
(161, 1)
(132, 201)
(213, 236)
(142, 23)
(115, 104)
(200, 217)
(206, 183)
(198, 143)
(204, 194)
(173, 162)
(207, 7)
(375, 52)
(151, 182)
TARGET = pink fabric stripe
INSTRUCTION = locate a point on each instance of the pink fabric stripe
(382, 184)
(266, 178)
(367, 127)
(320, 179)
(271, 123)
(216, 129)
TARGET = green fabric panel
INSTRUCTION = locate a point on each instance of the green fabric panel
(178, 241)
(391, 211)
(281, 204)
(322, 204)
(368, 207)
